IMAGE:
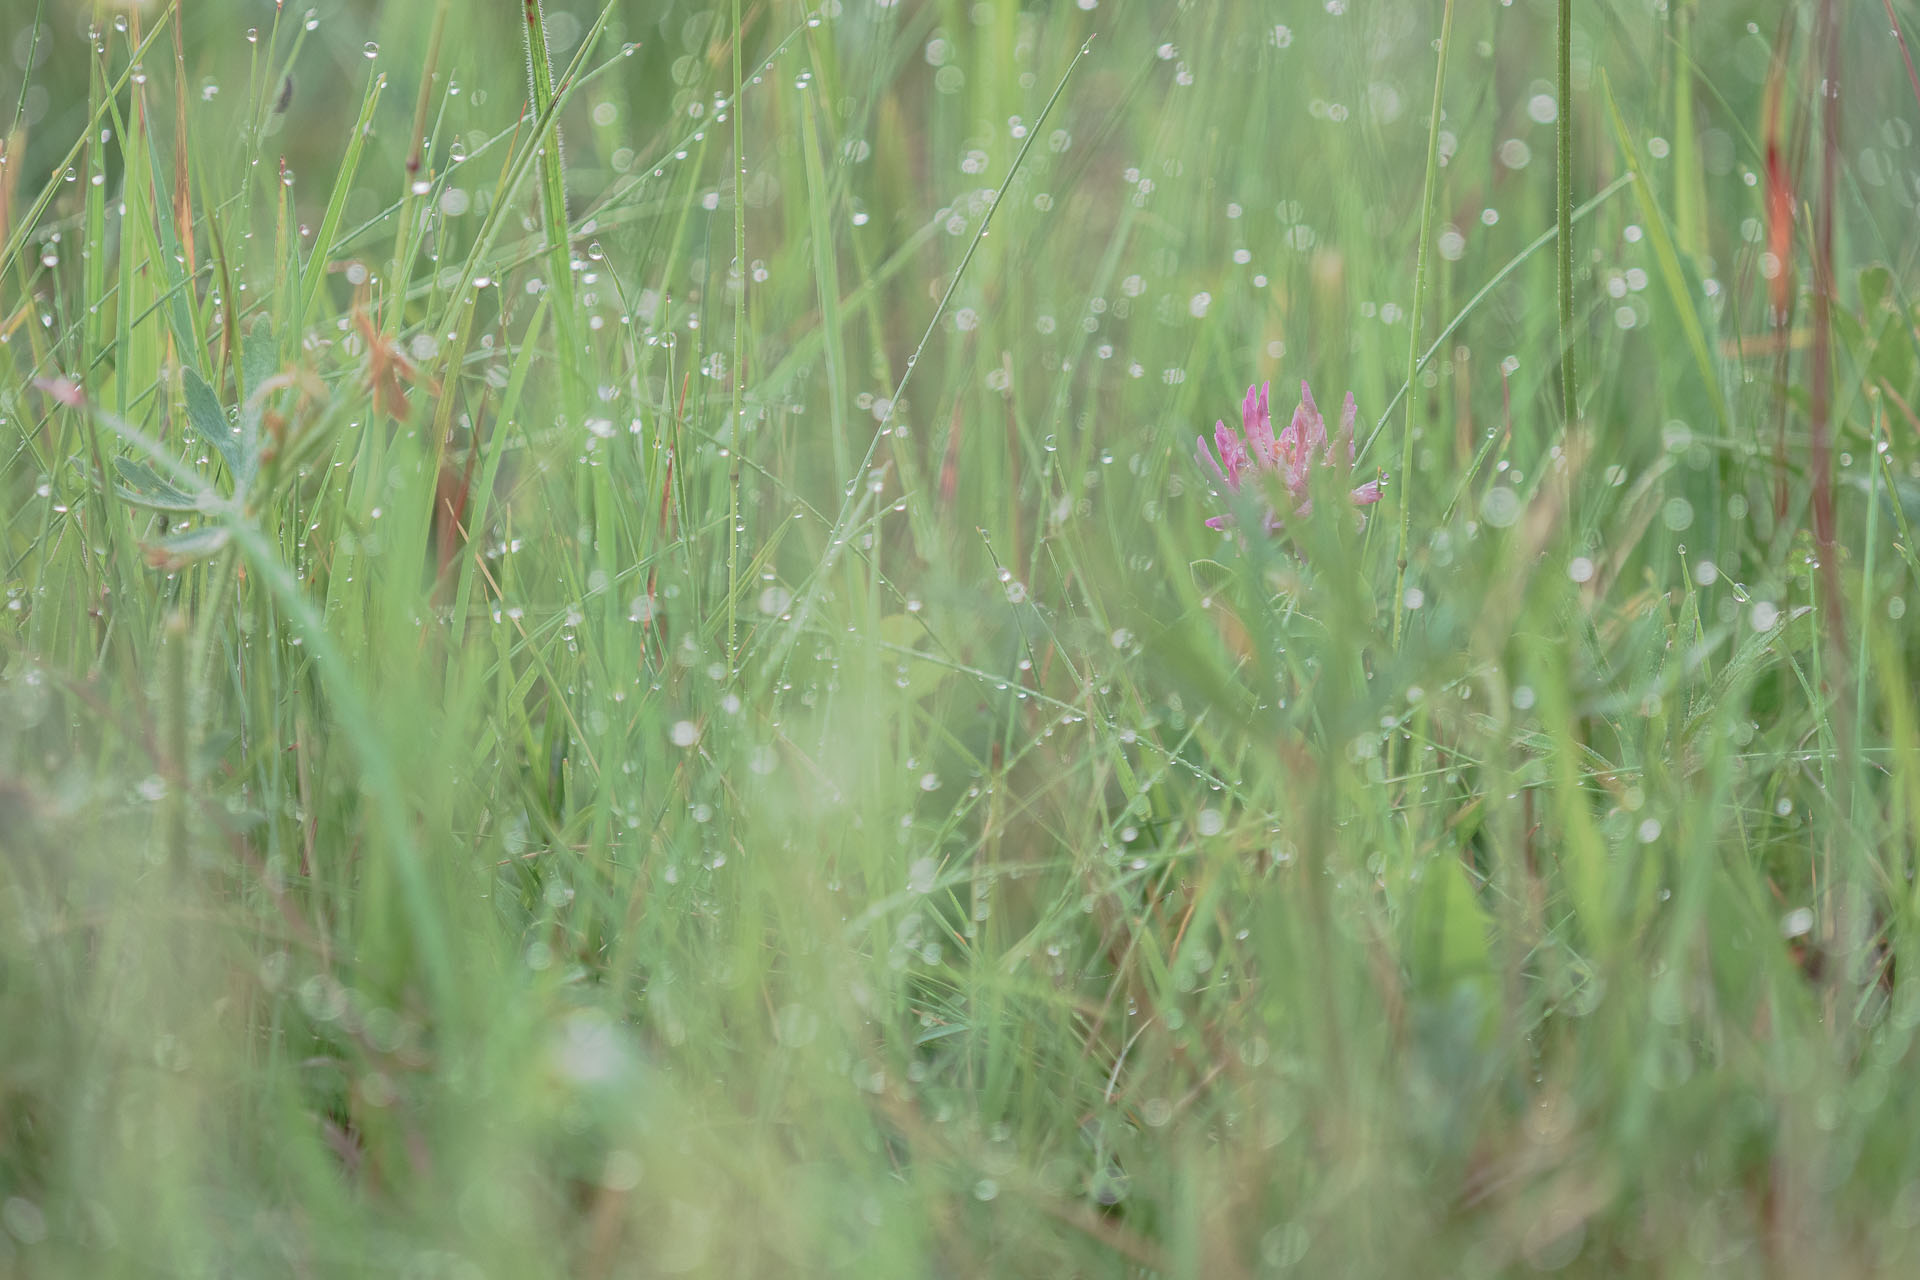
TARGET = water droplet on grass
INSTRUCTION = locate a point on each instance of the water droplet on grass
(922, 875)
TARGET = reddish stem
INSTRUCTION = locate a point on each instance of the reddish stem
(1901, 40)
(1821, 390)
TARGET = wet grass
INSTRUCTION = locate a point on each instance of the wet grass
(719, 742)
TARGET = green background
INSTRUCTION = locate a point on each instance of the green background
(604, 755)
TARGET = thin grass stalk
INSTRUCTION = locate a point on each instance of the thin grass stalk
(34, 34)
(1820, 390)
(1839, 930)
(174, 640)
(1428, 189)
(552, 190)
(20, 228)
(858, 497)
(1485, 291)
(1866, 595)
(427, 78)
(312, 283)
(1900, 38)
(553, 196)
(1563, 210)
(735, 432)
(182, 190)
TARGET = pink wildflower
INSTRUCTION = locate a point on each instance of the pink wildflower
(66, 392)
(1293, 455)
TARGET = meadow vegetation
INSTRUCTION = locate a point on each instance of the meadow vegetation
(612, 662)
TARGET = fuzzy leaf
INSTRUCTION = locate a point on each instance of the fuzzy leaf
(183, 549)
(258, 361)
(210, 420)
(258, 355)
(141, 485)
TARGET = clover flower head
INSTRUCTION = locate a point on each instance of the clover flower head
(1294, 454)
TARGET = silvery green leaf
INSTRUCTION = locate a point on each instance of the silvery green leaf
(182, 549)
(141, 485)
(236, 447)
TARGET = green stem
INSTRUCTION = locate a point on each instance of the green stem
(552, 185)
(858, 495)
(1485, 291)
(1419, 307)
(553, 204)
(1866, 614)
(175, 641)
(1563, 208)
(736, 428)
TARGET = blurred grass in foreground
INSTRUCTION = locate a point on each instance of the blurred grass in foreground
(495, 783)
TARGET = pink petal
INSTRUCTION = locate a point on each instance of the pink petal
(1349, 413)
(1294, 453)
(1258, 423)
(1204, 456)
(1306, 417)
(1233, 454)
(1286, 452)
(66, 392)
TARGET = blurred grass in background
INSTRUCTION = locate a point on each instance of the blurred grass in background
(525, 755)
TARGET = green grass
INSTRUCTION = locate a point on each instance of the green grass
(715, 740)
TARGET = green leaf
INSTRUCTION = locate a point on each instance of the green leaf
(315, 274)
(141, 485)
(259, 361)
(1876, 288)
(1892, 360)
(210, 420)
(259, 356)
(183, 549)
(1890, 355)
(1680, 291)
(918, 676)
(1448, 926)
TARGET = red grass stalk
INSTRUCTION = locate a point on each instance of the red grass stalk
(1821, 390)
(1901, 39)
(1784, 159)
(182, 189)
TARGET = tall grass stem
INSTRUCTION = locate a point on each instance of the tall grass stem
(1427, 192)
(1563, 212)
(735, 434)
